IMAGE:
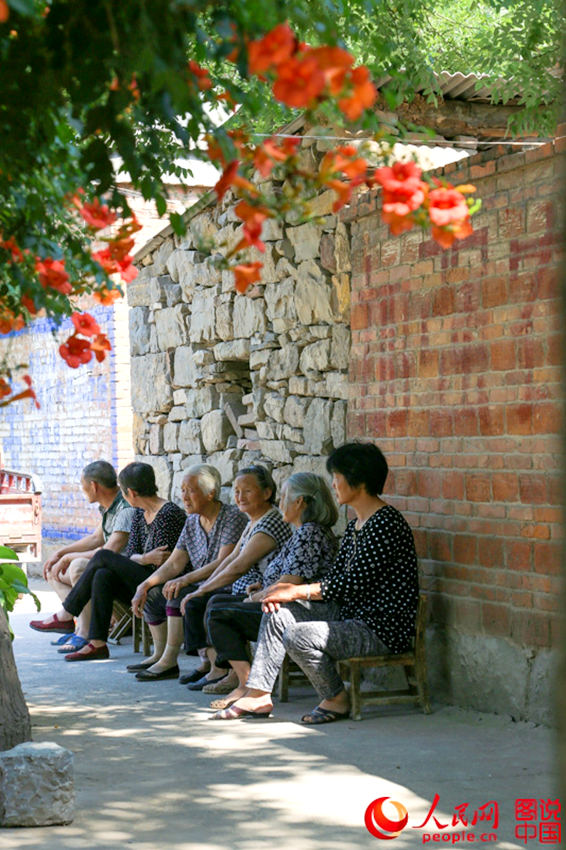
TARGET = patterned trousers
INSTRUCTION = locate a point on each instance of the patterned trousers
(315, 639)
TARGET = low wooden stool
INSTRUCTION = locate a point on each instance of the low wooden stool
(413, 663)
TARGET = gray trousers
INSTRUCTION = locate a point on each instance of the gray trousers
(315, 639)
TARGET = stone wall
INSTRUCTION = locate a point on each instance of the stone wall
(241, 378)
(455, 367)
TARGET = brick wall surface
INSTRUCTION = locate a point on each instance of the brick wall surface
(84, 416)
(455, 366)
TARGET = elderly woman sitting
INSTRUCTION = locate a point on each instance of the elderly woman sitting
(266, 532)
(155, 529)
(232, 620)
(210, 533)
(365, 605)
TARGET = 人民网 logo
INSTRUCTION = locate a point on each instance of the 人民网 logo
(381, 826)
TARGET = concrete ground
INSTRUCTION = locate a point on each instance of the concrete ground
(152, 771)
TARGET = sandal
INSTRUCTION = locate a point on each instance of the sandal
(319, 715)
(235, 713)
(222, 703)
(73, 643)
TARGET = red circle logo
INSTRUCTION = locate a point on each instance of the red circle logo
(381, 826)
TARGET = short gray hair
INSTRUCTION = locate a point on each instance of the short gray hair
(209, 479)
(102, 473)
(320, 504)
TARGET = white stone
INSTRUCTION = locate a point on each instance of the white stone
(138, 292)
(318, 437)
(202, 326)
(280, 301)
(340, 348)
(265, 431)
(237, 349)
(338, 423)
(249, 316)
(36, 785)
(171, 327)
(140, 334)
(294, 411)
(315, 357)
(273, 405)
(215, 430)
(156, 439)
(295, 435)
(337, 385)
(277, 450)
(201, 401)
(189, 440)
(163, 474)
(259, 358)
(312, 295)
(161, 256)
(342, 249)
(283, 362)
(224, 324)
(170, 437)
(151, 383)
(226, 463)
(305, 239)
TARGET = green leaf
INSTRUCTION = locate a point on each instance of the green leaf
(8, 554)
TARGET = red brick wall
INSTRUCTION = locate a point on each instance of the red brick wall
(455, 367)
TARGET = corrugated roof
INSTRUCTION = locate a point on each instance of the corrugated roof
(463, 86)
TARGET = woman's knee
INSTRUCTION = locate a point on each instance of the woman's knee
(303, 636)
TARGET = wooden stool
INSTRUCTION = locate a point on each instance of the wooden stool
(413, 663)
(127, 622)
(289, 670)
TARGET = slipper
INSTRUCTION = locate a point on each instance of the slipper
(141, 665)
(199, 685)
(235, 713)
(222, 703)
(323, 715)
(224, 686)
(73, 643)
(94, 654)
(187, 678)
(149, 676)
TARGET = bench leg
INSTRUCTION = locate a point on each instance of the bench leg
(355, 696)
(283, 681)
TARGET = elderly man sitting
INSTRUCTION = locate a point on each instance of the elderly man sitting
(211, 532)
(67, 564)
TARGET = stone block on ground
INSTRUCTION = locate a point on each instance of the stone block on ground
(36, 785)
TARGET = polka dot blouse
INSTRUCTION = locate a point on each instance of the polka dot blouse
(375, 577)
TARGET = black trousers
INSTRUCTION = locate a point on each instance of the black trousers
(231, 623)
(194, 627)
(108, 576)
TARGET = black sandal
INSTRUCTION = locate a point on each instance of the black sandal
(319, 715)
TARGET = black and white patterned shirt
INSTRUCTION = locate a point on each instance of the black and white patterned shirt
(375, 577)
(164, 530)
(203, 548)
(309, 553)
(272, 524)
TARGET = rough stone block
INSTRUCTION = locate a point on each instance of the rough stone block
(306, 240)
(36, 785)
(338, 423)
(280, 301)
(312, 295)
(170, 437)
(273, 405)
(151, 383)
(318, 437)
(189, 440)
(237, 349)
(294, 411)
(249, 316)
(340, 348)
(215, 430)
(162, 470)
(315, 357)
(140, 331)
(283, 363)
(171, 327)
(201, 401)
(202, 325)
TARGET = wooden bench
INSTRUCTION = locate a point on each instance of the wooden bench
(412, 662)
